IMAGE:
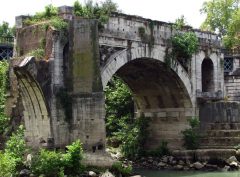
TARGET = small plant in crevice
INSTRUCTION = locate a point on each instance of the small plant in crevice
(191, 136)
(66, 102)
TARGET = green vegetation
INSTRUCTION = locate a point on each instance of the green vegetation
(12, 157)
(38, 53)
(122, 129)
(119, 169)
(52, 163)
(95, 11)
(119, 106)
(6, 31)
(3, 87)
(160, 151)
(184, 45)
(223, 18)
(190, 135)
(50, 16)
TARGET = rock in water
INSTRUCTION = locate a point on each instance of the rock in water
(198, 165)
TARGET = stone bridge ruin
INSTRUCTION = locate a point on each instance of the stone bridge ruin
(63, 94)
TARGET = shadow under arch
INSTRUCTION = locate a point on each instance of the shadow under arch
(161, 93)
(36, 114)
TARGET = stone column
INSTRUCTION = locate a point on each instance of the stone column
(87, 93)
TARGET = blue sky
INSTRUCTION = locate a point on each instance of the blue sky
(162, 10)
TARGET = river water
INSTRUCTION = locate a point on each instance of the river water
(153, 173)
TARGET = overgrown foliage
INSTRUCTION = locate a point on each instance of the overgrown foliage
(119, 106)
(133, 138)
(11, 159)
(223, 18)
(119, 169)
(96, 11)
(160, 151)
(48, 163)
(49, 16)
(129, 133)
(52, 163)
(3, 88)
(37, 53)
(190, 135)
(184, 44)
(72, 158)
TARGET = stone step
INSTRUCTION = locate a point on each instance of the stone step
(223, 126)
(216, 147)
(223, 133)
(220, 141)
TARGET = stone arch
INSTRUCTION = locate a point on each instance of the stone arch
(156, 53)
(207, 75)
(36, 114)
(161, 93)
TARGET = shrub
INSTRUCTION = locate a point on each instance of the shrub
(161, 150)
(72, 158)
(7, 165)
(184, 45)
(190, 135)
(134, 138)
(11, 159)
(47, 162)
(16, 146)
(118, 168)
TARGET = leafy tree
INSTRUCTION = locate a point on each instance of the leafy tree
(5, 30)
(119, 106)
(223, 18)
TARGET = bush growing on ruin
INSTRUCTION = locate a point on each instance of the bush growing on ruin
(97, 11)
(190, 135)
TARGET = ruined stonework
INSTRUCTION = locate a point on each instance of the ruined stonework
(63, 93)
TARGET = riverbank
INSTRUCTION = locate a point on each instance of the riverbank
(174, 163)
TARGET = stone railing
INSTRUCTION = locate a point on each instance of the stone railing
(209, 95)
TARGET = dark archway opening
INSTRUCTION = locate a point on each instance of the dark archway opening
(207, 75)
(159, 96)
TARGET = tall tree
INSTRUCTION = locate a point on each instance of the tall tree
(223, 18)
(5, 30)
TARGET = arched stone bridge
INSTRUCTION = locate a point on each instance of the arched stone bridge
(63, 95)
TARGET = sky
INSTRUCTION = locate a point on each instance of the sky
(162, 10)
